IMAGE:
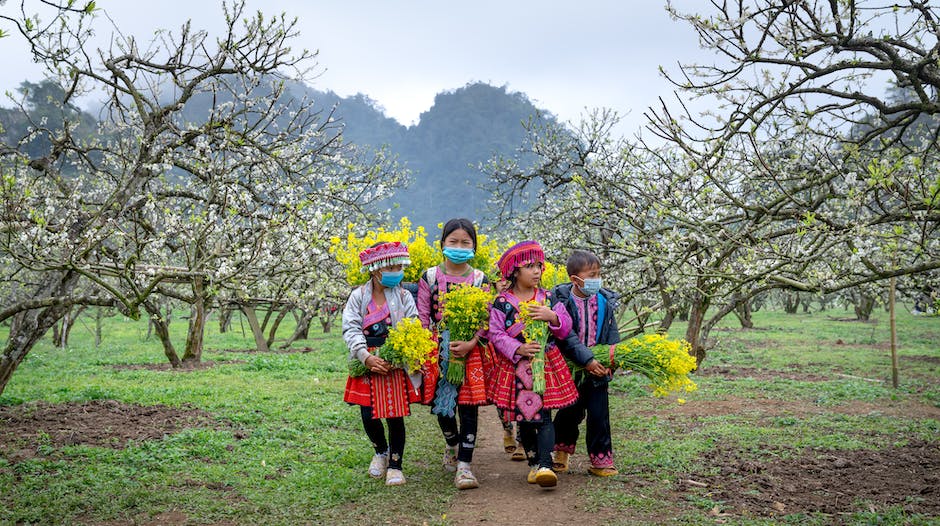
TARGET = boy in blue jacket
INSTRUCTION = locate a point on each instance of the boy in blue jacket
(592, 310)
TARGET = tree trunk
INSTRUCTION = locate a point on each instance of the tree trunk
(225, 319)
(197, 323)
(693, 333)
(743, 312)
(894, 331)
(864, 304)
(277, 322)
(98, 317)
(669, 306)
(328, 313)
(28, 327)
(791, 302)
(260, 342)
(65, 326)
(161, 325)
(303, 327)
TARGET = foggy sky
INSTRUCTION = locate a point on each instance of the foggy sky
(566, 56)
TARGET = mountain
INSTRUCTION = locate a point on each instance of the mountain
(462, 129)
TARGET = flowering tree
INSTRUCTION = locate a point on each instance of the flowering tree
(805, 82)
(678, 236)
(162, 199)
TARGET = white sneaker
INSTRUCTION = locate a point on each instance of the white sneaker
(379, 465)
(465, 479)
(394, 477)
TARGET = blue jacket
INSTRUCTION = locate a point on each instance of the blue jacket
(607, 332)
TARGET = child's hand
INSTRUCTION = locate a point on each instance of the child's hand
(543, 313)
(596, 368)
(377, 365)
(461, 349)
(528, 350)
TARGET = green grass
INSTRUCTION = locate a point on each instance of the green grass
(289, 451)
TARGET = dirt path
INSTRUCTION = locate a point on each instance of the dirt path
(504, 496)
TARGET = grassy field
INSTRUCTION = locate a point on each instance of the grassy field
(282, 448)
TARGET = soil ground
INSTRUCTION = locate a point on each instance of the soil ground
(101, 423)
(811, 481)
(499, 500)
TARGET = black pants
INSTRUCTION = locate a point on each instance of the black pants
(538, 440)
(592, 402)
(395, 445)
(466, 435)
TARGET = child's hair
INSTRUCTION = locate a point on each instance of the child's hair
(459, 224)
(580, 260)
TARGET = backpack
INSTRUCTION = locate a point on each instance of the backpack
(432, 277)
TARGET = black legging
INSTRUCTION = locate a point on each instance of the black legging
(593, 402)
(538, 439)
(395, 445)
(466, 436)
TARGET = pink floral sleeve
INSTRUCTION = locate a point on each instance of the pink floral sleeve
(564, 322)
(503, 342)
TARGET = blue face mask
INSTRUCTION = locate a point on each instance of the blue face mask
(591, 286)
(458, 255)
(392, 279)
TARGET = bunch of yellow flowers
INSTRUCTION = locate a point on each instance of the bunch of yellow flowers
(535, 331)
(665, 362)
(466, 310)
(408, 346)
(346, 251)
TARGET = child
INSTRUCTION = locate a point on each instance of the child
(384, 392)
(459, 243)
(513, 385)
(592, 311)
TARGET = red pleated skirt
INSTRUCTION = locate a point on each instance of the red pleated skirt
(511, 391)
(389, 396)
(473, 390)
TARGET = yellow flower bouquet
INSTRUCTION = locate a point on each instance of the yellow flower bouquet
(466, 310)
(408, 346)
(665, 362)
(346, 251)
(535, 331)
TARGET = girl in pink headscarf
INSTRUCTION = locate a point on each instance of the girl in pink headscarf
(512, 388)
(384, 392)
